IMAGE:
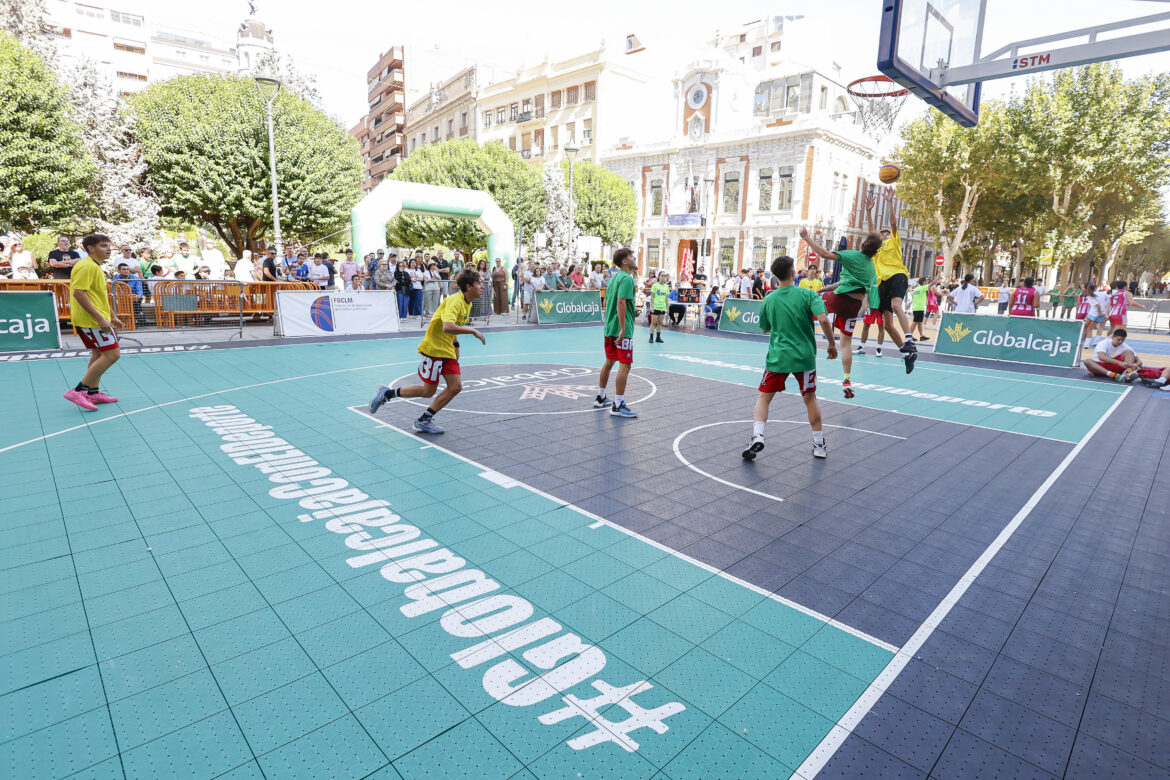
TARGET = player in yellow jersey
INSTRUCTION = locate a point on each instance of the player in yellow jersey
(96, 325)
(440, 354)
(893, 277)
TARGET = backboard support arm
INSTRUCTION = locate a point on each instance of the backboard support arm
(1007, 61)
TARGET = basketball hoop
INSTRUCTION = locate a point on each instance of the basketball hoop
(878, 99)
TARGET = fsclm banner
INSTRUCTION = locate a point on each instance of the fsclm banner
(336, 313)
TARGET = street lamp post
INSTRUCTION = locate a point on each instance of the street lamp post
(708, 189)
(571, 152)
(269, 88)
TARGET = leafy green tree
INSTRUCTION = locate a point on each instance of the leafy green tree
(46, 167)
(205, 140)
(1096, 147)
(514, 184)
(603, 203)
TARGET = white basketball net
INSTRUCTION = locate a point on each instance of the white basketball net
(878, 102)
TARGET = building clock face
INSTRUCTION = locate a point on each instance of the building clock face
(697, 97)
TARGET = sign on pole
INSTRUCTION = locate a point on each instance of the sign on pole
(568, 306)
(741, 315)
(335, 312)
(28, 321)
(1033, 340)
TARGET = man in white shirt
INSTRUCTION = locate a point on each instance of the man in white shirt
(596, 282)
(1114, 358)
(1003, 297)
(966, 296)
(214, 260)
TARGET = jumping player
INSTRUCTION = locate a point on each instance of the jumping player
(619, 332)
(440, 354)
(858, 284)
(90, 306)
(893, 280)
(792, 349)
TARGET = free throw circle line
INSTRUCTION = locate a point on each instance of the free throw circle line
(678, 450)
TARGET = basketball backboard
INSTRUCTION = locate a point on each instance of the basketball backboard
(922, 39)
(934, 49)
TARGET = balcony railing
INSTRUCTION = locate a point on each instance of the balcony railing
(524, 116)
(526, 153)
(587, 137)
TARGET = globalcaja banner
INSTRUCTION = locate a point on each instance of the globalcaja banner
(28, 321)
(1034, 340)
(574, 306)
(335, 312)
(741, 315)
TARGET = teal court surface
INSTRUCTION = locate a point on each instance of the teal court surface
(237, 571)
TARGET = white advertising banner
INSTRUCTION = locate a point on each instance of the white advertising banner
(336, 312)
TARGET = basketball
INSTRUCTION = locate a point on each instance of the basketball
(889, 173)
(321, 313)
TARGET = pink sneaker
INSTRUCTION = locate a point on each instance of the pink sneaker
(101, 398)
(81, 399)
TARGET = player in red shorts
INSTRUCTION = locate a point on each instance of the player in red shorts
(792, 351)
(872, 317)
(856, 289)
(440, 354)
(619, 333)
(96, 325)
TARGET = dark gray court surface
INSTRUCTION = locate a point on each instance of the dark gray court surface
(1054, 662)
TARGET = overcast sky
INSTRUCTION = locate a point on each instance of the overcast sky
(339, 40)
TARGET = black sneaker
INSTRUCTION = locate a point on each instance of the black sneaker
(660, 341)
(910, 358)
(600, 402)
(908, 346)
(651, 338)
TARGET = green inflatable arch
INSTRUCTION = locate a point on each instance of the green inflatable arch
(391, 198)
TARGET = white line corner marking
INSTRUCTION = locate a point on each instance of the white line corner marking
(849, 721)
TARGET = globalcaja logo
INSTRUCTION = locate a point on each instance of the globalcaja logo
(958, 331)
(733, 313)
(321, 312)
(546, 305)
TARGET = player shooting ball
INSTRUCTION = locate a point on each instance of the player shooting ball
(852, 296)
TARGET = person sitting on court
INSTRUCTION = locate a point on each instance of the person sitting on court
(1160, 382)
(1114, 358)
(439, 351)
(677, 311)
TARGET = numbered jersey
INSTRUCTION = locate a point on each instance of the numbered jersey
(1118, 304)
(1023, 302)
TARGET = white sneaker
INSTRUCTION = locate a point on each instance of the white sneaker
(878, 352)
(820, 450)
(859, 350)
(756, 445)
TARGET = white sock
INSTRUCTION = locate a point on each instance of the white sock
(601, 393)
(818, 437)
(619, 399)
(758, 429)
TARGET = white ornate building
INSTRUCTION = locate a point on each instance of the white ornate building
(760, 146)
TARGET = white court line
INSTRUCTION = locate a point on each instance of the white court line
(852, 718)
(598, 520)
(678, 450)
(1008, 376)
(241, 387)
(821, 398)
(647, 397)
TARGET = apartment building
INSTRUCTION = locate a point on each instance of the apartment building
(592, 101)
(448, 110)
(136, 51)
(381, 131)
